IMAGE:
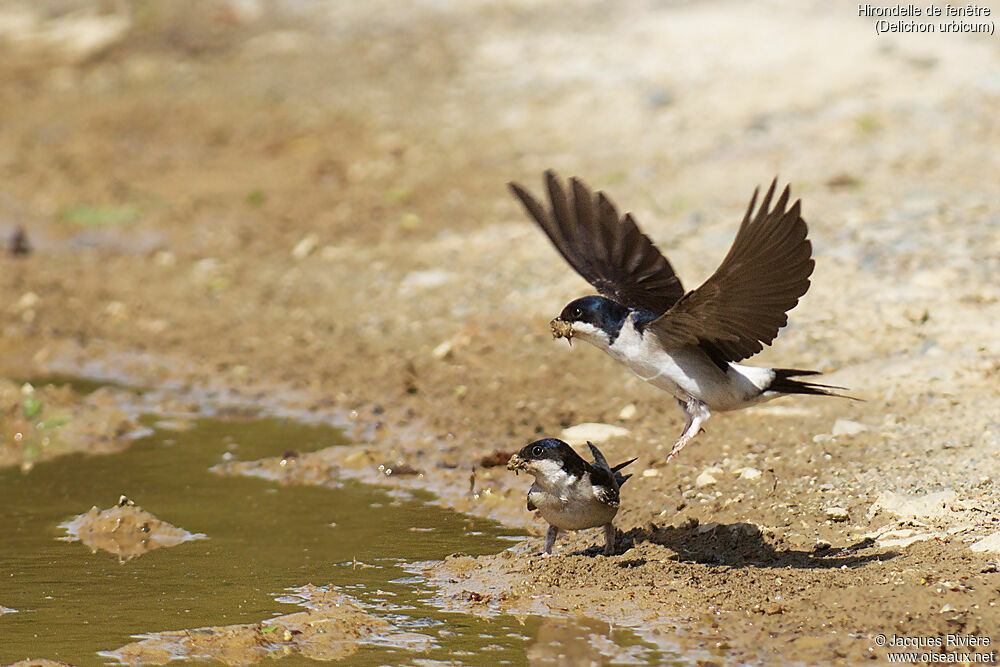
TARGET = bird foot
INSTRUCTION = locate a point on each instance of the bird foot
(550, 540)
(692, 429)
(609, 539)
(681, 444)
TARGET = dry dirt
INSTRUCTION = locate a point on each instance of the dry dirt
(302, 204)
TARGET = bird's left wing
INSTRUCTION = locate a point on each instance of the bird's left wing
(608, 250)
(740, 308)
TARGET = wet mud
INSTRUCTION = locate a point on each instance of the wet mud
(330, 238)
(124, 530)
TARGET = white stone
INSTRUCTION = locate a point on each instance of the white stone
(650, 472)
(443, 350)
(165, 258)
(902, 538)
(628, 412)
(931, 505)
(27, 300)
(705, 479)
(988, 543)
(305, 246)
(427, 279)
(847, 427)
(749, 473)
(592, 432)
(82, 36)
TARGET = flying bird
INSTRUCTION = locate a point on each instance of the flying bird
(570, 493)
(686, 343)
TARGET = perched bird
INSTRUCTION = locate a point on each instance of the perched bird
(570, 493)
(684, 343)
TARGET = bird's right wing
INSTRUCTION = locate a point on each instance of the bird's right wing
(609, 251)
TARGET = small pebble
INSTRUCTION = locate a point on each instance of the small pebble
(705, 479)
(847, 427)
(305, 246)
(592, 432)
(837, 514)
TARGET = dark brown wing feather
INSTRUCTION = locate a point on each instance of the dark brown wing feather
(741, 307)
(609, 251)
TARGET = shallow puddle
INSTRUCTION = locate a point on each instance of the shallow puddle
(263, 540)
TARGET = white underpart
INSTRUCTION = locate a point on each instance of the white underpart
(565, 501)
(686, 373)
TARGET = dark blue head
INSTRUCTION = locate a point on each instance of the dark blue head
(546, 455)
(599, 312)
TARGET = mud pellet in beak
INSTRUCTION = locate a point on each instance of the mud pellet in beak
(562, 329)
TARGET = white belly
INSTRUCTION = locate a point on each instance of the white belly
(574, 508)
(688, 373)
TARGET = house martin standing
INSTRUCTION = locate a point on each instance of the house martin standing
(568, 492)
(686, 343)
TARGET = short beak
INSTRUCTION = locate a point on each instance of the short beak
(562, 329)
(515, 463)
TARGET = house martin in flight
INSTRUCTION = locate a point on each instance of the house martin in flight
(686, 343)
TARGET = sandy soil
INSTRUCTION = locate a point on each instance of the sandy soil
(304, 206)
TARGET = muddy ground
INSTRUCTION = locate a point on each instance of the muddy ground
(302, 205)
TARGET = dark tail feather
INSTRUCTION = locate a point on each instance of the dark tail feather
(620, 478)
(784, 383)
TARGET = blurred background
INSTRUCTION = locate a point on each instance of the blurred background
(275, 190)
(303, 203)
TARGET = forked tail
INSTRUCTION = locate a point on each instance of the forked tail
(620, 478)
(784, 382)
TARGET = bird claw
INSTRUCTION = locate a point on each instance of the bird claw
(678, 447)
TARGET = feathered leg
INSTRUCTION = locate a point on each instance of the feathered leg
(696, 413)
(550, 540)
(609, 539)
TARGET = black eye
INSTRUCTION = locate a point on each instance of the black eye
(577, 312)
(536, 451)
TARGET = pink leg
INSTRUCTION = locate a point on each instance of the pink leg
(609, 540)
(550, 540)
(696, 413)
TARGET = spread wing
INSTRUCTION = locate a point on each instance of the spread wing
(741, 307)
(609, 251)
